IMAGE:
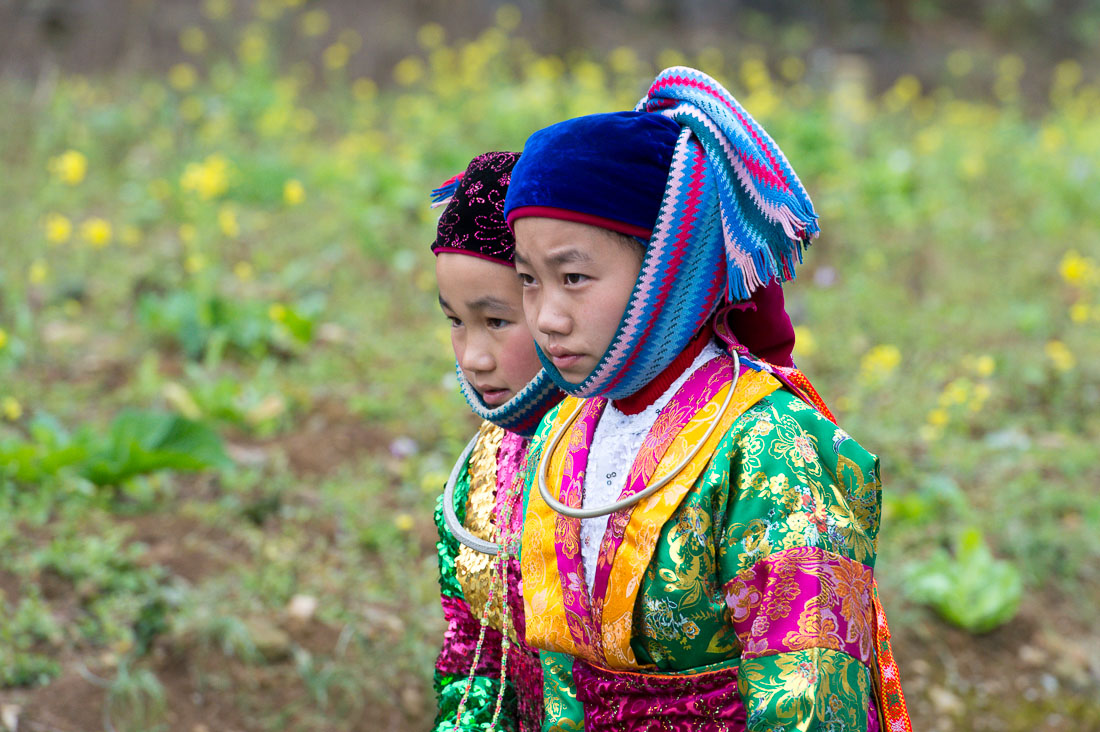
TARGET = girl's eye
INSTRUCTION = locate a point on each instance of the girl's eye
(496, 323)
(526, 279)
(574, 278)
(455, 322)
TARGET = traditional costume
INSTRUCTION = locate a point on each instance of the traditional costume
(485, 674)
(699, 536)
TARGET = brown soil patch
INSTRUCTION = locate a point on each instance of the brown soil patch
(186, 547)
(10, 586)
(324, 440)
(327, 440)
(1019, 677)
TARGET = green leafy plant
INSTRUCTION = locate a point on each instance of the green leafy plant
(199, 323)
(971, 589)
(136, 443)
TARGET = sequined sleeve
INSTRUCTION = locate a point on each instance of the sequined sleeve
(452, 668)
(796, 567)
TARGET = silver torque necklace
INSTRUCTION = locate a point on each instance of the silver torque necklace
(451, 518)
(584, 513)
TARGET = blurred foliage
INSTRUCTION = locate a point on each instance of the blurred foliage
(233, 259)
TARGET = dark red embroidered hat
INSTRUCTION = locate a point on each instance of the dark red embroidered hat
(473, 222)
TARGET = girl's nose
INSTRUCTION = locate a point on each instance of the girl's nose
(477, 356)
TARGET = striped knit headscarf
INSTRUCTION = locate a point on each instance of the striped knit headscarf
(733, 216)
(473, 224)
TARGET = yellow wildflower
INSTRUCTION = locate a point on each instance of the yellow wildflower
(58, 228)
(623, 60)
(38, 272)
(430, 36)
(403, 522)
(1011, 66)
(792, 68)
(938, 417)
(984, 365)
(314, 23)
(670, 57)
(1060, 356)
(243, 271)
(209, 179)
(194, 263)
(11, 407)
(1078, 270)
(69, 167)
(336, 56)
(193, 40)
(182, 76)
(1051, 139)
(253, 46)
(1067, 74)
(929, 433)
(981, 394)
(972, 166)
(1079, 312)
(96, 231)
(408, 71)
(227, 221)
(4, 339)
(804, 341)
(955, 393)
(364, 89)
(277, 312)
(294, 192)
(880, 361)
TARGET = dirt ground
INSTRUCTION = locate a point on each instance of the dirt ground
(1039, 673)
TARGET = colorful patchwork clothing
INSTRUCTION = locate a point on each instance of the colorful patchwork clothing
(739, 596)
(487, 509)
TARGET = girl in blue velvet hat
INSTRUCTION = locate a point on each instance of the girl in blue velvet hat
(699, 538)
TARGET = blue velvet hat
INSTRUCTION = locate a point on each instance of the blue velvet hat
(692, 172)
(608, 170)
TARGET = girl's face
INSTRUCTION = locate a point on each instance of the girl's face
(577, 280)
(484, 302)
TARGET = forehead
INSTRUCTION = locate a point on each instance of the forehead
(463, 279)
(553, 241)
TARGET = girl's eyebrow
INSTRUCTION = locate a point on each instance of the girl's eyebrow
(567, 256)
(488, 302)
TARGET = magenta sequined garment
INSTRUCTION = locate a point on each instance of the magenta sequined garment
(640, 702)
(522, 709)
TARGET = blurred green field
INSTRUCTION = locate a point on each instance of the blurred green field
(227, 397)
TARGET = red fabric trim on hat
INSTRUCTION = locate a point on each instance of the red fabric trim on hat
(457, 250)
(549, 212)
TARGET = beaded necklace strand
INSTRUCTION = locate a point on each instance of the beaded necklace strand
(498, 582)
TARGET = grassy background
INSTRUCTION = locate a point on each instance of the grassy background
(238, 250)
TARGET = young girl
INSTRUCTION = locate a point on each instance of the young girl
(485, 675)
(698, 541)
